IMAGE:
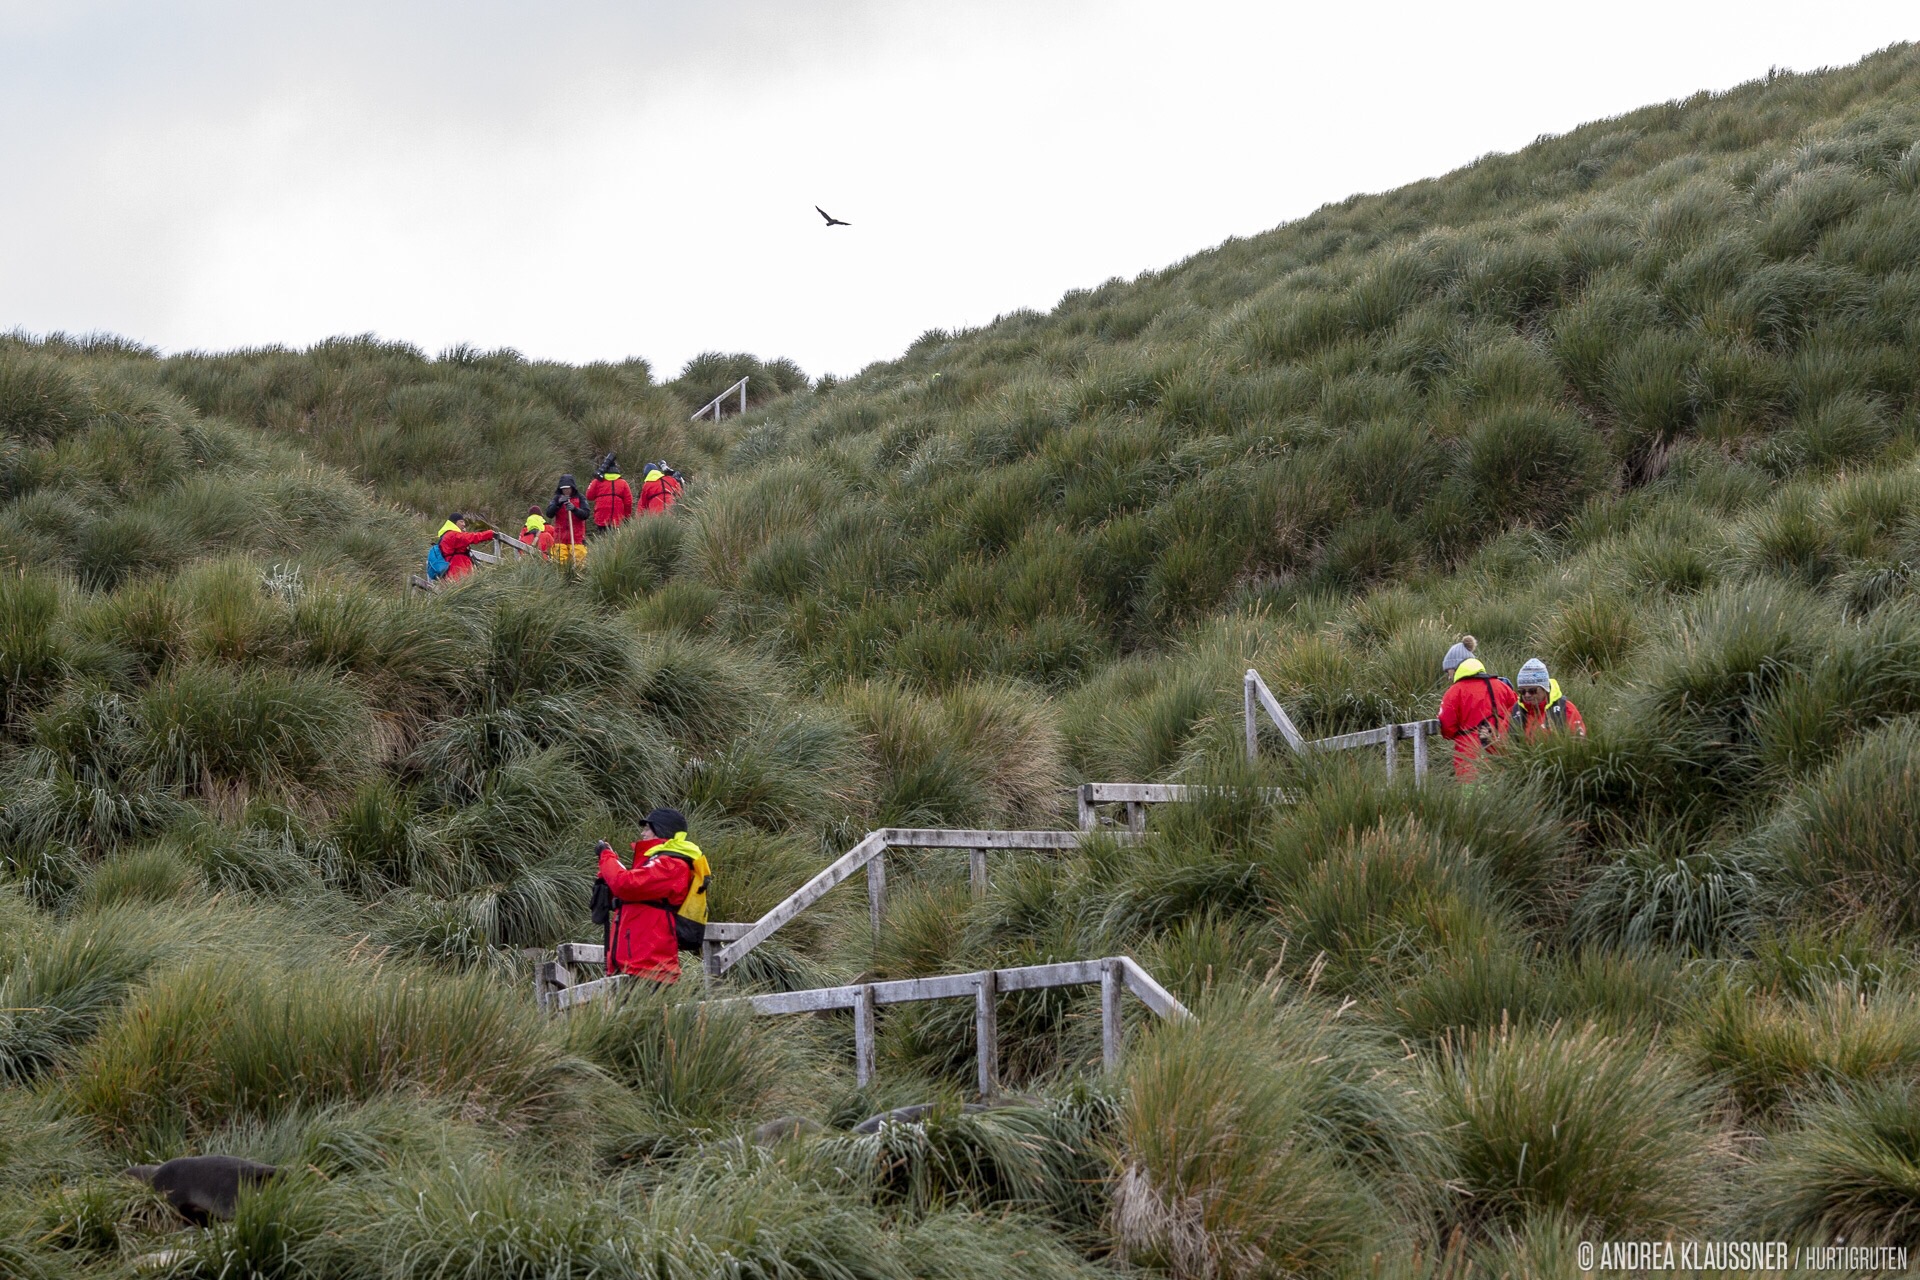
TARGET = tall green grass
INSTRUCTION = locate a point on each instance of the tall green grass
(206, 1044)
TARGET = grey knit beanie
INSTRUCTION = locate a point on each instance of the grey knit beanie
(1532, 675)
(1458, 654)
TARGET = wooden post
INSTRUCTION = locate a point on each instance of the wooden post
(1112, 1031)
(743, 395)
(1393, 749)
(877, 889)
(1253, 724)
(1136, 817)
(863, 1037)
(1420, 754)
(977, 871)
(1089, 816)
(709, 957)
(986, 1032)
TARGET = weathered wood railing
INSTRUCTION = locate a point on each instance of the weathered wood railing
(871, 854)
(1260, 698)
(713, 407)
(566, 970)
(1134, 797)
(1115, 974)
(558, 985)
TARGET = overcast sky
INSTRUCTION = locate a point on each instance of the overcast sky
(592, 179)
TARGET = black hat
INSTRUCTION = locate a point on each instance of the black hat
(667, 823)
(457, 517)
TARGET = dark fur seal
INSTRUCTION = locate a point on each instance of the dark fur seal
(202, 1188)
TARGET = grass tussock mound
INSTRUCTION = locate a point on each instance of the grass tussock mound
(203, 1046)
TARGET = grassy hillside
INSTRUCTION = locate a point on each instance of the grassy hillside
(1639, 400)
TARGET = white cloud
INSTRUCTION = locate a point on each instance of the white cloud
(593, 179)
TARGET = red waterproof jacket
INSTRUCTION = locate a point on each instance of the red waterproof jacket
(658, 492)
(1474, 715)
(1554, 716)
(568, 521)
(644, 941)
(612, 499)
(454, 546)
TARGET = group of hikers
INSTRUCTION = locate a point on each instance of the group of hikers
(559, 531)
(1480, 710)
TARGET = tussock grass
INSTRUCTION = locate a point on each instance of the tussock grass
(1847, 839)
(207, 727)
(1848, 1169)
(697, 1066)
(206, 1044)
(980, 755)
(1772, 1052)
(57, 988)
(1229, 1156)
(1605, 1130)
(1045, 1157)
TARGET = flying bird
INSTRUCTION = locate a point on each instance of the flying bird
(831, 220)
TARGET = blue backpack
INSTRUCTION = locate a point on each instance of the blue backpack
(437, 565)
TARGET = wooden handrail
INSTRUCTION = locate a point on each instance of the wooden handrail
(870, 855)
(713, 405)
(1115, 974)
(1260, 698)
(1136, 796)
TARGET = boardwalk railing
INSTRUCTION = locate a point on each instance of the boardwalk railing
(420, 582)
(871, 854)
(557, 984)
(713, 407)
(1259, 698)
(1115, 974)
(572, 961)
(1134, 797)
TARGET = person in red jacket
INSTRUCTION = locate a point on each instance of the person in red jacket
(535, 533)
(455, 542)
(569, 516)
(660, 490)
(611, 497)
(1475, 711)
(642, 930)
(1543, 708)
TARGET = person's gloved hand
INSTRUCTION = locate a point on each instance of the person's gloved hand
(602, 847)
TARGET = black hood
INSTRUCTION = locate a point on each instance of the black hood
(566, 482)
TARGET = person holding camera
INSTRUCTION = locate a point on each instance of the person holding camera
(642, 935)
(569, 516)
